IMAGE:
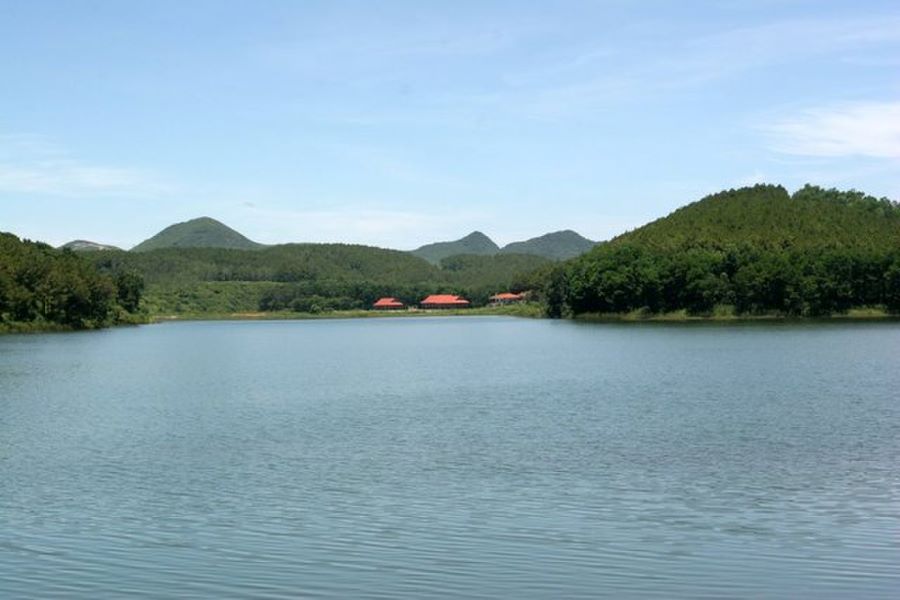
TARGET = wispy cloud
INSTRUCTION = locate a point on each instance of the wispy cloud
(865, 129)
(355, 224)
(388, 163)
(511, 72)
(361, 49)
(784, 41)
(31, 164)
(751, 179)
(585, 79)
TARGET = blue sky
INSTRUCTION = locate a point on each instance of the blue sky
(400, 123)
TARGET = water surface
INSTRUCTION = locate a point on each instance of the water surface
(451, 457)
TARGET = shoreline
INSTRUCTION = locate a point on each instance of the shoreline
(682, 316)
(528, 311)
(532, 311)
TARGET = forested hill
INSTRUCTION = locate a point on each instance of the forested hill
(474, 243)
(767, 216)
(308, 277)
(558, 245)
(197, 233)
(282, 263)
(753, 250)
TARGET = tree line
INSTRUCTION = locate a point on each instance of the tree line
(751, 251)
(41, 286)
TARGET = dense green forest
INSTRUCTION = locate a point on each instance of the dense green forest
(307, 277)
(41, 287)
(756, 250)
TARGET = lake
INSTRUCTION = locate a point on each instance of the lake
(469, 457)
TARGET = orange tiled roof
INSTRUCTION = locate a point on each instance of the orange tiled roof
(388, 302)
(445, 299)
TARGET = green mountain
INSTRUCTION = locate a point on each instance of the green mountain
(767, 216)
(474, 243)
(86, 246)
(307, 277)
(755, 250)
(197, 233)
(559, 245)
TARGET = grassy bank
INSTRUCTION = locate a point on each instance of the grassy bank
(528, 310)
(33, 327)
(521, 310)
(209, 297)
(49, 327)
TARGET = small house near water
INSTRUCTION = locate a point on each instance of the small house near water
(444, 301)
(388, 303)
(506, 298)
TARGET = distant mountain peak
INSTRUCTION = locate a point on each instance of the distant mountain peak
(202, 232)
(474, 243)
(558, 245)
(86, 246)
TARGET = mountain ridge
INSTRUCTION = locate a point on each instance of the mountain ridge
(206, 232)
(556, 245)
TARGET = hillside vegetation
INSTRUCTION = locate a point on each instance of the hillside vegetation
(559, 245)
(307, 277)
(42, 288)
(766, 216)
(749, 251)
(474, 243)
(197, 233)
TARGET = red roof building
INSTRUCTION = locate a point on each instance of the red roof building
(388, 303)
(444, 301)
(507, 298)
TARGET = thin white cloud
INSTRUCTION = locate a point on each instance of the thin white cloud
(587, 80)
(584, 80)
(864, 129)
(388, 163)
(32, 164)
(752, 179)
(577, 79)
(784, 41)
(361, 51)
(358, 225)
